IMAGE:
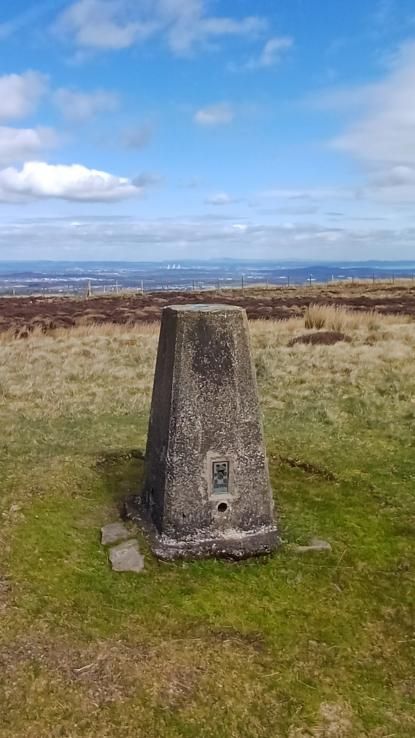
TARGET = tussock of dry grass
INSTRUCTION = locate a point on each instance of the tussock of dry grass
(340, 319)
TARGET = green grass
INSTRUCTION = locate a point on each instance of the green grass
(297, 646)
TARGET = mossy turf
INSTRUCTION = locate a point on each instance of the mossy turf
(298, 645)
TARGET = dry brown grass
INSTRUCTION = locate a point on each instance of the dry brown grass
(109, 368)
(333, 318)
(85, 369)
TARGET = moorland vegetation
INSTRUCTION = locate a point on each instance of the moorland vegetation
(311, 645)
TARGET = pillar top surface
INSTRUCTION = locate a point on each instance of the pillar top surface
(204, 308)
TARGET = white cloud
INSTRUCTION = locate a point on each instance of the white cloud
(20, 94)
(100, 24)
(20, 144)
(186, 32)
(220, 198)
(272, 53)
(180, 238)
(219, 26)
(384, 133)
(341, 99)
(215, 115)
(119, 24)
(38, 180)
(387, 193)
(395, 176)
(380, 133)
(79, 106)
(310, 193)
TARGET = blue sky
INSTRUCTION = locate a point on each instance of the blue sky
(160, 129)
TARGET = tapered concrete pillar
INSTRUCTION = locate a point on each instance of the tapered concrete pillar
(207, 489)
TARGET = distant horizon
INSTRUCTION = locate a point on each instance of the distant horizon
(31, 277)
(210, 260)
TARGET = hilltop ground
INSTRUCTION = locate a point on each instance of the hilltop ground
(24, 314)
(288, 646)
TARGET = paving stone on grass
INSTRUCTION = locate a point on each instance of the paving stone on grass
(316, 544)
(126, 557)
(115, 532)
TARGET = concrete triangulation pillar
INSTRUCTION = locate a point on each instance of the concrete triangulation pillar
(207, 489)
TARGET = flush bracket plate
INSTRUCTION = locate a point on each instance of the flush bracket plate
(220, 478)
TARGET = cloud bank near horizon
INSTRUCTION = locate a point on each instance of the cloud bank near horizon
(203, 237)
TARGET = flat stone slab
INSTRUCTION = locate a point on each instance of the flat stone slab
(316, 544)
(114, 533)
(126, 557)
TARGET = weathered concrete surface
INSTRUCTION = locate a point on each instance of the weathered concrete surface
(126, 557)
(207, 489)
(114, 532)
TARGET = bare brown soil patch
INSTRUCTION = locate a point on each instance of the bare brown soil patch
(321, 338)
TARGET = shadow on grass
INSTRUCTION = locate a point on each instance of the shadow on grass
(122, 473)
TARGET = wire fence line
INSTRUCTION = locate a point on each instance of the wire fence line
(87, 287)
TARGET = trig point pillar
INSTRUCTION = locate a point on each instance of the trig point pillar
(207, 489)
